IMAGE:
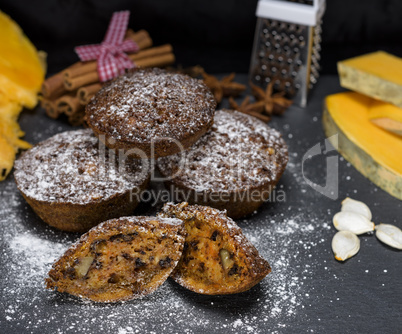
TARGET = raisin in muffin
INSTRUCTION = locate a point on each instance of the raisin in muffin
(151, 112)
(73, 182)
(235, 166)
(120, 259)
(217, 257)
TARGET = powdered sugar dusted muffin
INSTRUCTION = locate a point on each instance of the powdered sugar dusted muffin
(234, 166)
(151, 112)
(120, 259)
(217, 257)
(73, 182)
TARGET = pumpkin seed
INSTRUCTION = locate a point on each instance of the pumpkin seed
(345, 244)
(351, 205)
(353, 222)
(389, 235)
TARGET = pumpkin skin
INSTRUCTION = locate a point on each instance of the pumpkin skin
(372, 151)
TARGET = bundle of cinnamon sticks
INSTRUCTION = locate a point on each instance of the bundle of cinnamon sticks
(68, 91)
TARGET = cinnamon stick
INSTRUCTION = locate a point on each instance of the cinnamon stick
(80, 69)
(161, 60)
(53, 86)
(129, 32)
(90, 66)
(141, 37)
(77, 119)
(88, 99)
(85, 93)
(82, 80)
(151, 52)
(50, 108)
(193, 71)
(157, 61)
(69, 105)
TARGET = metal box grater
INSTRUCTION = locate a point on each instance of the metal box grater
(287, 47)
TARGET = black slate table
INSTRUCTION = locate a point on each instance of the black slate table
(307, 291)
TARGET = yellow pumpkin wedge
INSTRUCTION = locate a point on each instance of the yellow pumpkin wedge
(21, 68)
(22, 71)
(7, 157)
(10, 133)
(9, 127)
(377, 74)
(372, 151)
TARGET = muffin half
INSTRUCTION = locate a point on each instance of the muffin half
(217, 257)
(120, 259)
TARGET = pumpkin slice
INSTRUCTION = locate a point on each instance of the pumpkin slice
(7, 157)
(22, 71)
(377, 74)
(21, 68)
(372, 151)
(9, 127)
(10, 133)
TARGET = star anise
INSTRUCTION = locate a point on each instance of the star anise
(274, 103)
(253, 109)
(224, 87)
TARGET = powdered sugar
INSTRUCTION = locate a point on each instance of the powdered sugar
(72, 167)
(286, 242)
(29, 251)
(148, 104)
(239, 152)
(39, 252)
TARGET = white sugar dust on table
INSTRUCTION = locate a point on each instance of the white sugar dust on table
(29, 254)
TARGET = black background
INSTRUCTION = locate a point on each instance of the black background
(215, 34)
(361, 295)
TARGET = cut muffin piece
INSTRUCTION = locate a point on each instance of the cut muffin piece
(120, 259)
(73, 183)
(151, 112)
(217, 257)
(234, 167)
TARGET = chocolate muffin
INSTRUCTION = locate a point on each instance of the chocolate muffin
(120, 259)
(73, 182)
(233, 167)
(217, 257)
(151, 112)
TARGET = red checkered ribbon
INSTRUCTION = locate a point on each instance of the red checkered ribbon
(110, 54)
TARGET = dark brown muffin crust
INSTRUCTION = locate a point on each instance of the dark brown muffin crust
(73, 183)
(146, 107)
(234, 166)
(120, 259)
(217, 257)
